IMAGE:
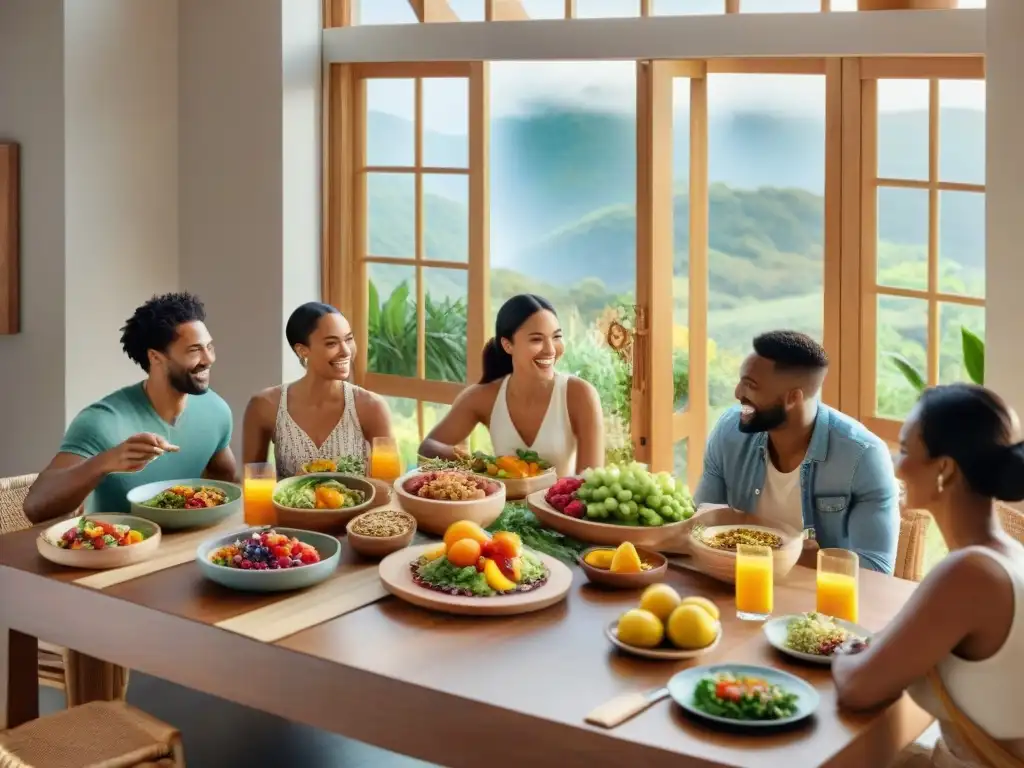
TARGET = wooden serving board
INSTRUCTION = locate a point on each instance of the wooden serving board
(396, 576)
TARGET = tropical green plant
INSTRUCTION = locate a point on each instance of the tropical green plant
(973, 347)
(392, 332)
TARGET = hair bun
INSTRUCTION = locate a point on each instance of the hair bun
(1008, 473)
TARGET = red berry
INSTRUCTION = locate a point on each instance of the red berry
(246, 564)
(310, 557)
(283, 561)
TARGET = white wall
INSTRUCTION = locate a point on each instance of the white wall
(1004, 317)
(32, 113)
(121, 181)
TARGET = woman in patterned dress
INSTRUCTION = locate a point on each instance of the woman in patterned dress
(322, 415)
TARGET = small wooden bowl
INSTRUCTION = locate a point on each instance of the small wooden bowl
(435, 516)
(606, 578)
(377, 546)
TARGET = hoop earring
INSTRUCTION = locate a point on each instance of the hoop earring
(939, 484)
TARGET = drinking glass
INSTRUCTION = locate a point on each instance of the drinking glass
(258, 494)
(755, 571)
(385, 461)
(837, 583)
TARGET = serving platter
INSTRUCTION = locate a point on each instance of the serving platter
(661, 653)
(396, 576)
(673, 537)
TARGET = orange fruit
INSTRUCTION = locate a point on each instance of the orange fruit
(464, 553)
(465, 529)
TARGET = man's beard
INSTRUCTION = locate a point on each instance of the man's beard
(764, 419)
(185, 382)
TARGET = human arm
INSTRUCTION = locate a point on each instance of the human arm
(711, 488)
(874, 517)
(258, 426)
(587, 422)
(456, 427)
(374, 415)
(223, 466)
(940, 615)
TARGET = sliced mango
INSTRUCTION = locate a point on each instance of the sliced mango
(600, 558)
(626, 559)
(496, 580)
(436, 552)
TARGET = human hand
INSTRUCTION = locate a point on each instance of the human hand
(852, 646)
(135, 453)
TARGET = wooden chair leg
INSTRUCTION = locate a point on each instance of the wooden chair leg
(91, 679)
(19, 684)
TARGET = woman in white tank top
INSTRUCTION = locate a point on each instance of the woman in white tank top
(320, 416)
(522, 399)
(957, 647)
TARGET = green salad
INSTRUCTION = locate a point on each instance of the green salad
(441, 575)
(317, 493)
(743, 698)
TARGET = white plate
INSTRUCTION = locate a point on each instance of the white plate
(665, 654)
(776, 629)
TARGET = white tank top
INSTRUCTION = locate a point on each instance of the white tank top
(555, 441)
(293, 447)
(990, 692)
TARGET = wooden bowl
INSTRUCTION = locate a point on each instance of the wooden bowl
(100, 559)
(377, 546)
(664, 538)
(520, 488)
(324, 520)
(721, 565)
(606, 578)
(435, 516)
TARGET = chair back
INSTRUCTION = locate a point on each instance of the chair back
(13, 491)
(1012, 520)
(910, 549)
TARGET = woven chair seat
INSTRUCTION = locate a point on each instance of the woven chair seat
(1012, 520)
(107, 734)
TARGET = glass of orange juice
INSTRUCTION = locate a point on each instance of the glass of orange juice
(258, 494)
(837, 583)
(385, 461)
(755, 582)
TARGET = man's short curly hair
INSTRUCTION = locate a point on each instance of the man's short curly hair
(154, 325)
(791, 350)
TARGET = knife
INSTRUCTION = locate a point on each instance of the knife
(621, 708)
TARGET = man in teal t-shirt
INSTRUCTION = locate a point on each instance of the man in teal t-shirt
(169, 426)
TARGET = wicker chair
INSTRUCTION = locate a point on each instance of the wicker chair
(1012, 520)
(101, 735)
(910, 548)
(82, 678)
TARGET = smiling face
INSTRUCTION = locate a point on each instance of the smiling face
(767, 396)
(187, 360)
(537, 346)
(331, 348)
(914, 466)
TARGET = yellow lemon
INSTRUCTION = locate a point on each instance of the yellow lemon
(660, 599)
(640, 628)
(600, 558)
(691, 628)
(704, 603)
(626, 559)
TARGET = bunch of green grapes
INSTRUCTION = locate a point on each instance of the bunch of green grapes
(627, 494)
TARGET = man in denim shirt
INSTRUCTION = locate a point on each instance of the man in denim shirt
(783, 455)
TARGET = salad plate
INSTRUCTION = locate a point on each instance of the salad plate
(717, 693)
(795, 634)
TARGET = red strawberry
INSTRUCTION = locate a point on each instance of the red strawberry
(575, 508)
(283, 561)
(309, 557)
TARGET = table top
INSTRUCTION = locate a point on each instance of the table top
(533, 677)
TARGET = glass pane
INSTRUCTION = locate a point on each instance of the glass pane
(468, 10)
(902, 328)
(962, 131)
(844, 5)
(606, 9)
(479, 439)
(780, 6)
(681, 244)
(953, 318)
(445, 314)
(391, 319)
(545, 9)
(446, 217)
(446, 122)
(767, 216)
(563, 205)
(903, 129)
(390, 129)
(383, 12)
(962, 243)
(902, 256)
(391, 215)
(688, 7)
(973, 4)
(680, 459)
(405, 425)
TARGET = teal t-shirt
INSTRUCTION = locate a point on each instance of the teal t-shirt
(202, 430)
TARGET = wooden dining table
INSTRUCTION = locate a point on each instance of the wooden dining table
(457, 691)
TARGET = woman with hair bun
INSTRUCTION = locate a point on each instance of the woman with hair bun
(957, 646)
(320, 416)
(521, 398)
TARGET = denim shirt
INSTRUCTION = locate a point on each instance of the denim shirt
(850, 498)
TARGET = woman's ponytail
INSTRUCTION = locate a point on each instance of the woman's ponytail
(497, 363)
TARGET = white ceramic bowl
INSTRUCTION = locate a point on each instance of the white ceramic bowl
(100, 559)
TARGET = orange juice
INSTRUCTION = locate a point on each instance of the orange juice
(754, 584)
(837, 595)
(385, 465)
(257, 495)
